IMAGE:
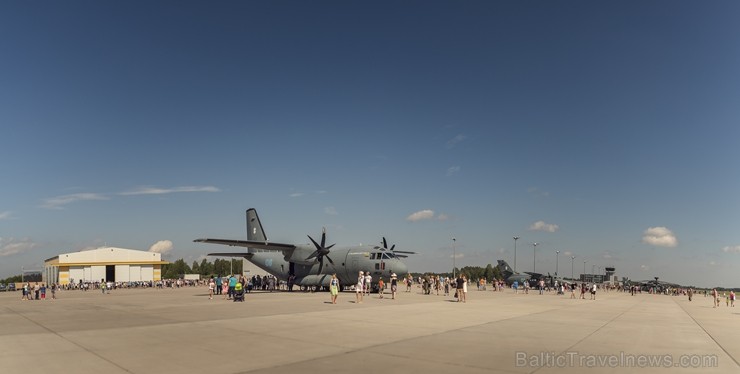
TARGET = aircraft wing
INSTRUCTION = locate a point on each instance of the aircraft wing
(249, 243)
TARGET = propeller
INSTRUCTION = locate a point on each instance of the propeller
(396, 253)
(321, 250)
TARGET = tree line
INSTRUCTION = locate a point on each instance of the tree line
(205, 268)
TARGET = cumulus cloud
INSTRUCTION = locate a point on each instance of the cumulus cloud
(296, 194)
(162, 191)
(330, 210)
(60, 201)
(536, 192)
(659, 236)
(162, 246)
(644, 267)
(421, 215)
(731, 249)
(455, 141)
(543, 226)
(452, 170)
(11, 246)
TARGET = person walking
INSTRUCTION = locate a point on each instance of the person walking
(381, 287)
(359, 288)
(334, 288)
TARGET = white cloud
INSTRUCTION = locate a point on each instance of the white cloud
(162, 246)
(162, 191)
(455, 141)
(644, 267)
(536, 192)
(442, 217)
(659, 236)
(542, 226)
(5, 215)
(452, 170)
(296, 194)
(11, 246)
(60, 201)
(457, 256)
(731, 249)
(421, 215)
(330, 210)
(568, 253)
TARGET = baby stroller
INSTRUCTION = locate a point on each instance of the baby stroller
(238, 293)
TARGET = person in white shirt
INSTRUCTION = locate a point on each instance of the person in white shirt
(359, 288)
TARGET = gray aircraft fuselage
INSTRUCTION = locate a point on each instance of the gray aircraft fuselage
(312, 264)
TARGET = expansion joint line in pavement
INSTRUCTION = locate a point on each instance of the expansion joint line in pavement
(413, 338)
(706, 332)
(70, 341)
(592, 333)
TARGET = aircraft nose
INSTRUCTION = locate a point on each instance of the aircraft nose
(399, 268)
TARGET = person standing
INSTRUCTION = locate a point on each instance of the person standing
(359, 288)
(368, 283)
(593, 291)
(465, 289)
(732, 299)
(334, 288)
(394, 286)
(715, 299)
(211, 288)
(459, 284)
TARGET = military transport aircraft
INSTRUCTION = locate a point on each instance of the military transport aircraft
(510, 276)
(313, 264)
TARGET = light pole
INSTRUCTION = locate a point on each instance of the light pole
(572, 258)
(584, 266)
(534, 257)
(557, 257)
(454, 255)
(515, 239)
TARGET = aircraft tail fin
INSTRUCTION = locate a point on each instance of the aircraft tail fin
(504, 268)
(254, 227)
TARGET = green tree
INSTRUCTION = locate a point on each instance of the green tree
(175, 269)
(195, 268)
(206, 268)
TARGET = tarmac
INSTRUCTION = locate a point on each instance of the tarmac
(182, 331)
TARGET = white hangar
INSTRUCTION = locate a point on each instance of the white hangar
(107, 263)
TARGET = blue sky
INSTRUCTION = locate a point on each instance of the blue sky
(608, 131)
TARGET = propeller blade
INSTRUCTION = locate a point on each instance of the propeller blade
(321, 265)
(314, 242)
(394, 246)
(327, 248)
(323, 238)
(314, 254)
(385, 244)
(329, 258)
(408, 252)
(402, 256)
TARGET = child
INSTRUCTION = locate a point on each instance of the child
(43, 291)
